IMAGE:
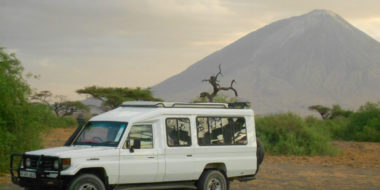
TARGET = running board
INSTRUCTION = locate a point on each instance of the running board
(246, 178)
(169, 185)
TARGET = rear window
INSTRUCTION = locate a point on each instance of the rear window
(221, 131)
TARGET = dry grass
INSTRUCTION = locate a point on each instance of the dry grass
(56, 137)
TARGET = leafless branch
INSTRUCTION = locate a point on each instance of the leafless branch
(213, 80)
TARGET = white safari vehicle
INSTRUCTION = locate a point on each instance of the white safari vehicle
(149, 145)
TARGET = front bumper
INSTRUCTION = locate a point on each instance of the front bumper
(38, 182)
(40, 177)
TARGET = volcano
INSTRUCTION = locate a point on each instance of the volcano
(315, 58)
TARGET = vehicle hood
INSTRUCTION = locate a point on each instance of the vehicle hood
(70, 151)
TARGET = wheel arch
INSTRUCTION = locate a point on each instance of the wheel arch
(100, 172)
(216, 166)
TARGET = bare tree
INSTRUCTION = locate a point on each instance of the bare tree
(214, 82)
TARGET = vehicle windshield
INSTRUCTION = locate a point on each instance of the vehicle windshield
(101, 133)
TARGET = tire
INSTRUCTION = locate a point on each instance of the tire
(212, 180)
(259, 153)
(86, 182)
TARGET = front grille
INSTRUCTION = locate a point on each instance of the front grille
(43, 163)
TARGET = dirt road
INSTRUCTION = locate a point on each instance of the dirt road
(292, 176)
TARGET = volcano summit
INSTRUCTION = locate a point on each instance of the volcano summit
(316, 58)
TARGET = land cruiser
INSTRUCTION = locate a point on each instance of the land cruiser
(149, 145)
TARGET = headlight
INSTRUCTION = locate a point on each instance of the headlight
(28, 162)
(56, 164)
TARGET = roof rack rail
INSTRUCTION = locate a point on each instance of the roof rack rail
(200, 105)
(239, 105)
(150, 104)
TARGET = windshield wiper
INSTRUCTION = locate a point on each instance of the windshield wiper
(109, 143)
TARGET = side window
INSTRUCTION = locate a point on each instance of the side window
(221, 131)
(227, 131)
(203, 131)
(178, 132)
(239, 131)
(140, 137)
(215, 124)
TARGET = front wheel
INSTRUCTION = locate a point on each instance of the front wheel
(86, 182)
(212, 180)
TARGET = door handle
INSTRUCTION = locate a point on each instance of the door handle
(151, 157)
(189, 155)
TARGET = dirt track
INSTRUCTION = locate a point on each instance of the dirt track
(293, 176)
(357, 167)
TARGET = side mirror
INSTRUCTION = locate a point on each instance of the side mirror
(126, 146)
(129, 146)
(133, 144)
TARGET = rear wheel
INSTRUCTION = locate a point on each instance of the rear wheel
(212, 180)
(86, 182)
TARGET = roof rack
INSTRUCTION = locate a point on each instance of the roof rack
(239, 105)
(150, 104)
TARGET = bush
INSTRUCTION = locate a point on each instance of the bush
(289, 134)
(335, 128)
(365, 124)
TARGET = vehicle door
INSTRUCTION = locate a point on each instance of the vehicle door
(179, 151)
(138, 157)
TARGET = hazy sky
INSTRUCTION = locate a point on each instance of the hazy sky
(73, 44)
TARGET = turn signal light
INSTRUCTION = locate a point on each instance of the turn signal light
(66, 162)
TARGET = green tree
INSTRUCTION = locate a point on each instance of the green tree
(19, 129)
(43, 96)
(61, 106)
(330, 113)
(322, 110)
(113, 97)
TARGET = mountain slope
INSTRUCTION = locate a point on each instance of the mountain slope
(316, 58)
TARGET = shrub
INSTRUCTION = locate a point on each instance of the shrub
(335, 128)
(289, 134)
(365, 124)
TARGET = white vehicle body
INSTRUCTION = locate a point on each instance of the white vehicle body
(161, 162)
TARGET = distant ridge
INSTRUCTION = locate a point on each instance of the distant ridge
(315, 58)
